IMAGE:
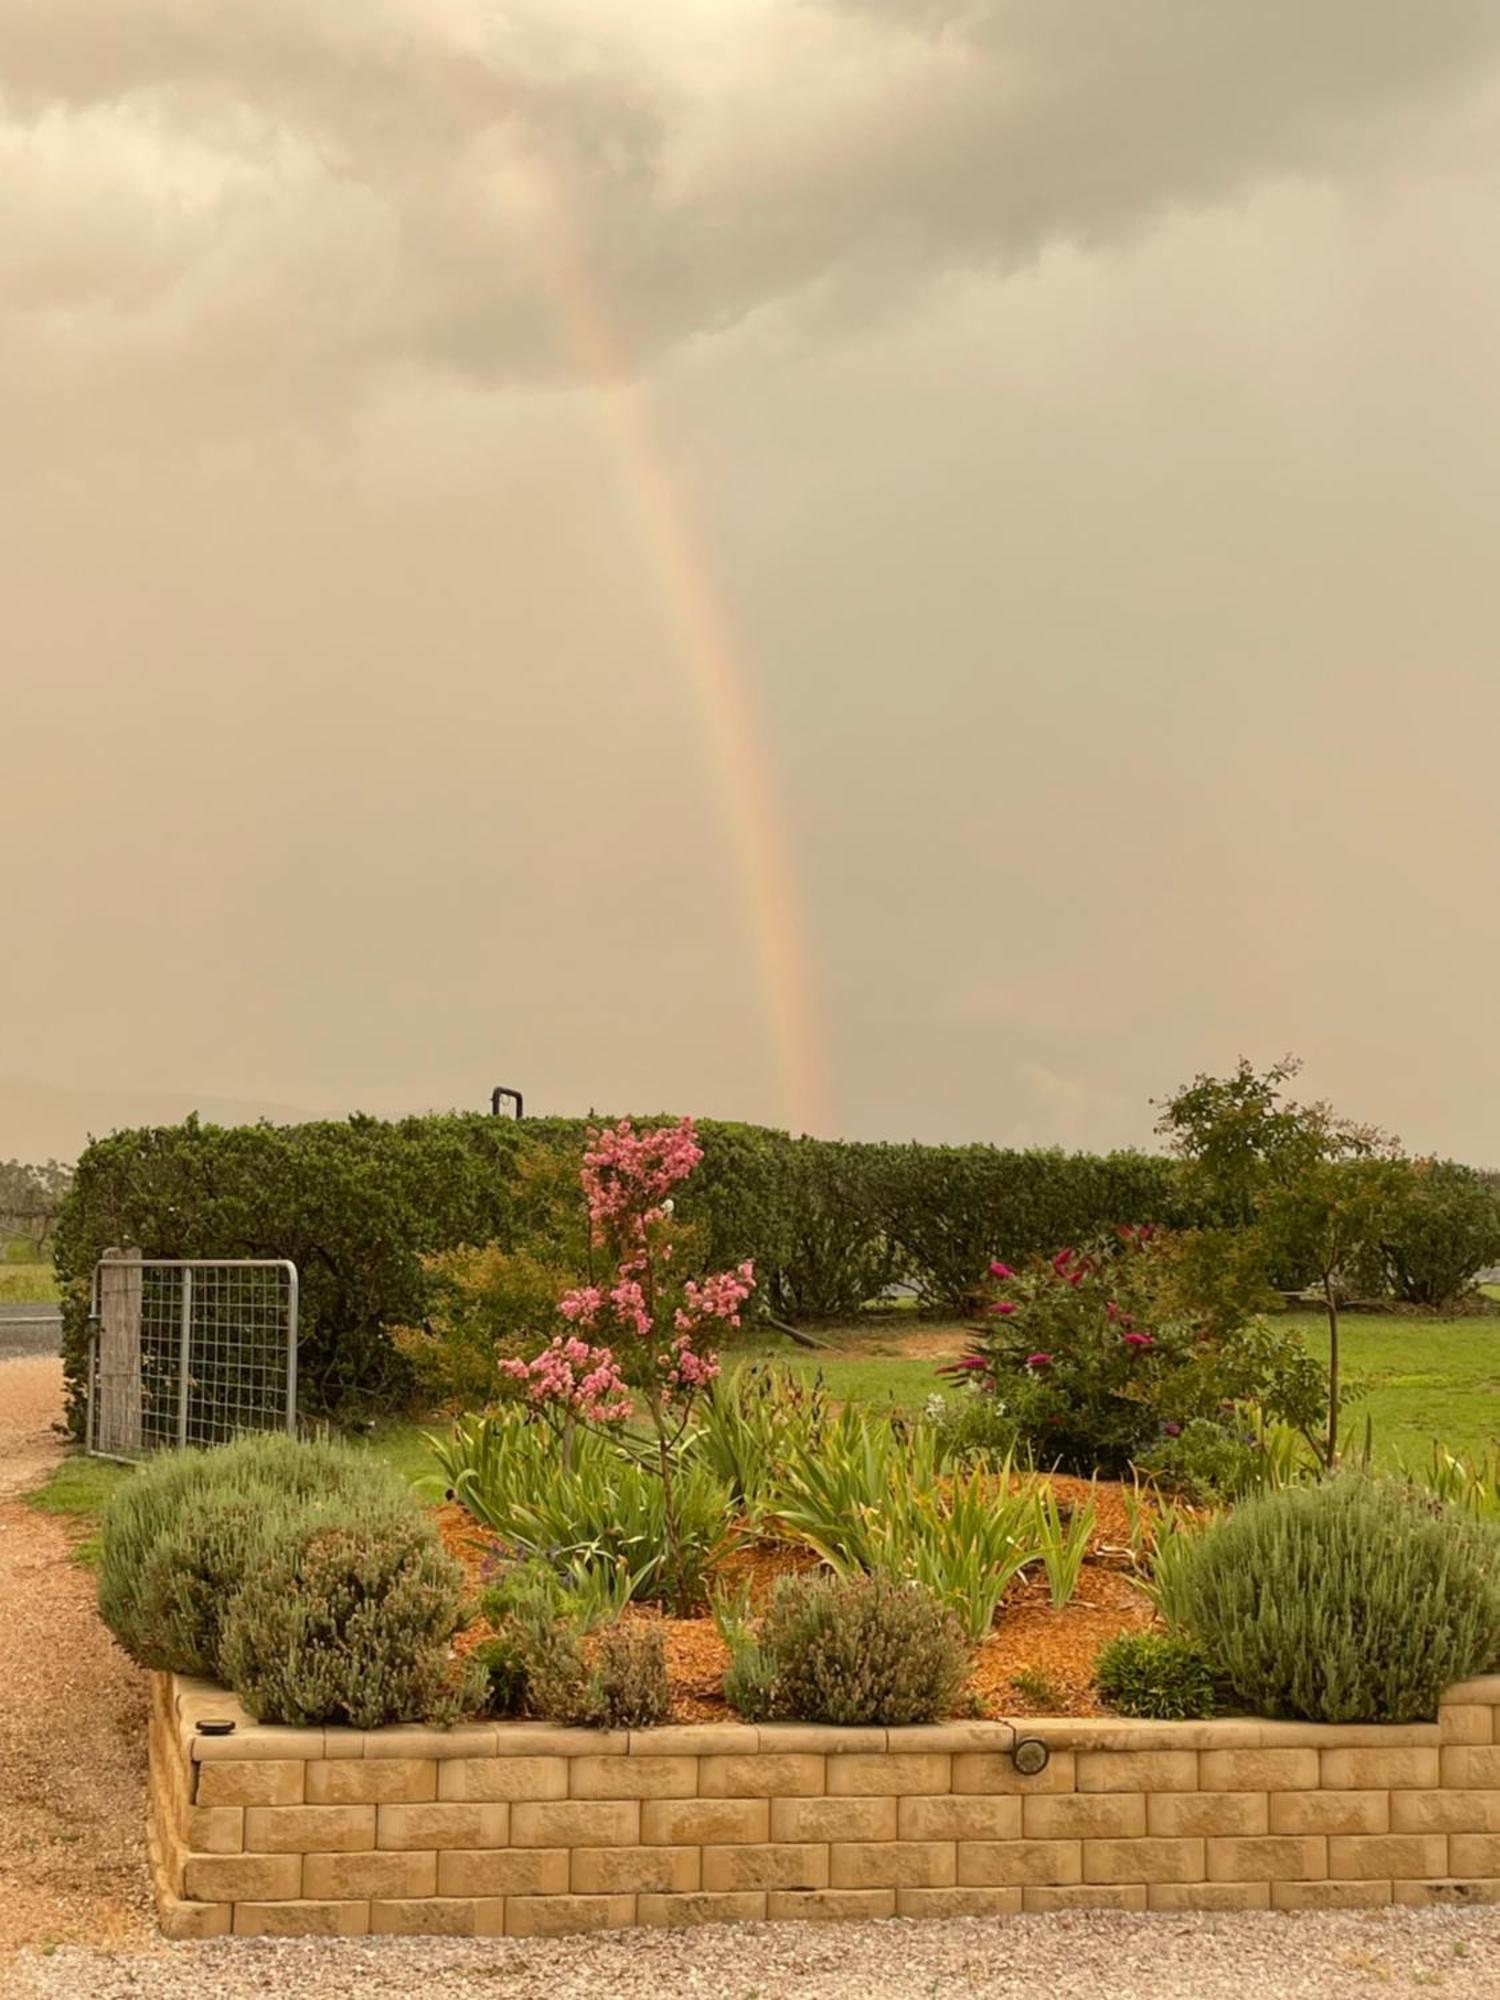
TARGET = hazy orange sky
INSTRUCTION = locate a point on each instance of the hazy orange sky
(908, 569)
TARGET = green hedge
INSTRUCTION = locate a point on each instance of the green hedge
(831, 1224)
(357, 1205)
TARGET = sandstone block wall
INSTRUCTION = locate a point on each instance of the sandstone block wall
(520, 1829)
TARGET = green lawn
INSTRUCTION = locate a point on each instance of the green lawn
(1416, 1380)
(26, 1284)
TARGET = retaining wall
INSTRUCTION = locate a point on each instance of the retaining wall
(521, 1829)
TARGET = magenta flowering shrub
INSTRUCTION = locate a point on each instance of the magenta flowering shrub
(1099, 1354)
(637, 1340)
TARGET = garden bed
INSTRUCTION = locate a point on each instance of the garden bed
(519, 1828)
(1038, 1660)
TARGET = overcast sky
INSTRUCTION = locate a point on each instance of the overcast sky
(903, 568)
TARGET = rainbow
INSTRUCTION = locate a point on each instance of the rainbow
(716, 674)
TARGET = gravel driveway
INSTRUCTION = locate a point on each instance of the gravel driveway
(1079, 1956)
(72, 1814)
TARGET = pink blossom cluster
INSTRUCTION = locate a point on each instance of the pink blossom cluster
(718, 1297)
(572, 1375)
(627, 1176)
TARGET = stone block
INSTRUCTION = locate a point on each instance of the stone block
(301, 1919)
(445, 1825)
(974, 1817)
(1141, 1771)
(1193, 1815)
(1476, 1854)
(892, 1864)
(886, 1776)
(958, 1902)
(1445, 1812)
(633, 1777)
(178, 1919)
(612, 1871)
(1330, 1895)
(351, 1781)
(415, 1741)
(1143, 1861)
(1331, 1812)
(1089, 1896)
(998, 1864)
(1270, 1858)
(309, 1829)
(359, 1877)
(833, 1819)
(817, 1739)
(494, 1780)
(247, 1878)
(1259, 1770)
(986, 1771)
(1396, 1856)
(503, 1871)
(1080, 1816)
(572, 1823)
(274, 1781)
(1208, 1895)
(788, 1775)
(1384, 1770)
(746, 1907)
(213, 1829)
(1466, 1723)
(1449, 1894)
(426, 1916)
(1473, 1769)
(810, 1906)
(705, 1822)
(702, 1739)
(783, 1866)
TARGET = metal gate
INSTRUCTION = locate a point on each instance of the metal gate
(189, 1351)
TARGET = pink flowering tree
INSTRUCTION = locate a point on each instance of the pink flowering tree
(638, 1338)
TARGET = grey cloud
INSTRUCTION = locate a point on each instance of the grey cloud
(301, 193)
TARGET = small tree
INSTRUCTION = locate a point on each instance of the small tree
(640, 1332)
(1332, 1219)
(1300, 1191)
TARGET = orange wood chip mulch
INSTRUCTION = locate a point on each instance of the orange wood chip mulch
(1052, 1651)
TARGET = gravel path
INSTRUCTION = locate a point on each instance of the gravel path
(74, 1906)
(72, 1711)
(1080, 1956)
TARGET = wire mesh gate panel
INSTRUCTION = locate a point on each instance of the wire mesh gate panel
(190, 1351)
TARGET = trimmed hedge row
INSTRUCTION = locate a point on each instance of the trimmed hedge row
(357, 1205)
(831, 1224)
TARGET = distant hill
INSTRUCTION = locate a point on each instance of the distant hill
(43, 1122)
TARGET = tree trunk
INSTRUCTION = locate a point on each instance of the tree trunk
(1330, 1294)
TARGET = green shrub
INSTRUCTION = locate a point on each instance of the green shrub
(1205, 1461)
(630, 1676)
(1096, 1352)
(858, 1650)
(361, 1206)
(347, 1615)
(974, 1428)
(599, 1510)
(1441, 1230)
(1155, 1674)
(1352, 1601)
(175, 1537)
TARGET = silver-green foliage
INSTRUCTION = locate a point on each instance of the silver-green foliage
(347, 1615)
(177, 1536)
(1356, 1600)
(854, 1650)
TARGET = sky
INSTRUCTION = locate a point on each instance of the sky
(902, 570)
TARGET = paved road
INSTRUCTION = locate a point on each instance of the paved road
(28, 1330)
